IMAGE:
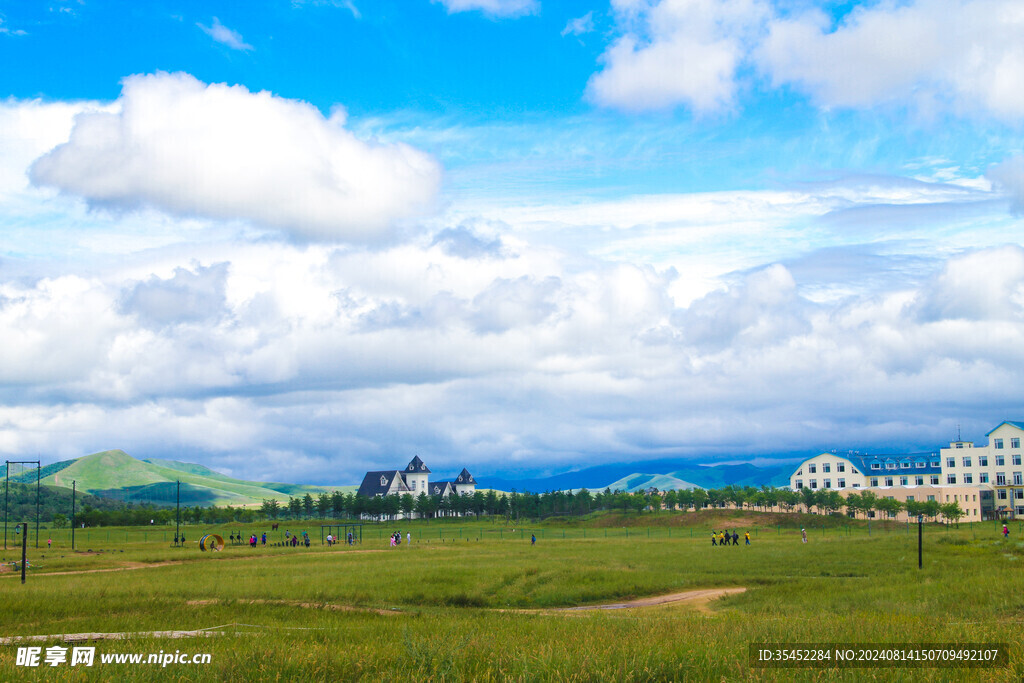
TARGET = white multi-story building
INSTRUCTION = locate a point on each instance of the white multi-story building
(996, 465)
(987, 481)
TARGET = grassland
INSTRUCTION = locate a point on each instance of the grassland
(475, 601)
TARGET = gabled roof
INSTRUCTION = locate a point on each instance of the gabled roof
(379, 483)
(1018, 425)
(464, 478)
(442, 488)
(416, 466)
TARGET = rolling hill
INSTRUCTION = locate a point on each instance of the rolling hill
(115, 474)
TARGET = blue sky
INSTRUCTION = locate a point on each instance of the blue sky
(300, 240)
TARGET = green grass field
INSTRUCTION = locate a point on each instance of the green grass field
(474, 601)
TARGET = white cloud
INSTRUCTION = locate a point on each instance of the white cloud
(222, 152)
(579, 25)
(225, 36)
(677, 52)
(5, 31)
(968, 54)
(964, 56)
(494, 8)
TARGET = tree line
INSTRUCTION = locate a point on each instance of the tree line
(513, 505)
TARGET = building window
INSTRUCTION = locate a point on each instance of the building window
(800, 472)
(876, 466)
(983, 477)
(825, 468)
(1000, 478)
(950, 462)
(841, 484)
(812, 468)
(931, 497)
(1000, 461)
(998, 443)
(959, 445)
(874, 481)
(799, 484)
(1017, 479)
(935, 480)
(982, 461)
(910, 499)
(1018, 494)
(1001, 495)
(1014, 442)
(918, 481)
(827, 484)
(888, 481)
(950, 478)
(890, 465)
(841, 467)
(903, 481)
(936, 463)
(968, 478)
(967, 462)
(1016, 459)
(814, 483)
(921, 465)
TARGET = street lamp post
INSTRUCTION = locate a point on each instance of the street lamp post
(920, 524)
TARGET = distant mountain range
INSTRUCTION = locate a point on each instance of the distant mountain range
(115, 474)
(626, 477)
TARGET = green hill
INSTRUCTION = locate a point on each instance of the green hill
(115, 474)
(640, 482)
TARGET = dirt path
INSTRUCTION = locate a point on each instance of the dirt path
(330, 607)
(695, 598)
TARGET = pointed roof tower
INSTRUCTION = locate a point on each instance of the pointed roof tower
(416, 466)
(465, 478)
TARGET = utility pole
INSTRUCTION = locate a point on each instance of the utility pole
(73, 483)
(37, 502)
(24, 549)
(177, 514)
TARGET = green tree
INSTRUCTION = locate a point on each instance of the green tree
(323, 504)
(952, 511)
(308, 505)
(59, 520)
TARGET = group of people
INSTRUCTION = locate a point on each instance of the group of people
(720, 538)
(253, 540)
(396, 538)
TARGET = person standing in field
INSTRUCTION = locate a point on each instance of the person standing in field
(533, 539)
(714, 537)
(735, 537)
(721, 538)
(747, 536)
(1006, 531)
(408, 538)
(803, 535)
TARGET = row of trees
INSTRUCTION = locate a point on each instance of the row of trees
(515, 505)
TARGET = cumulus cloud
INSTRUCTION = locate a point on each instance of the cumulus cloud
(987, 286)
(225, 36)
(223, 152)
(966, 56)
(677, 52)
(494, 8)
(964, 53)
